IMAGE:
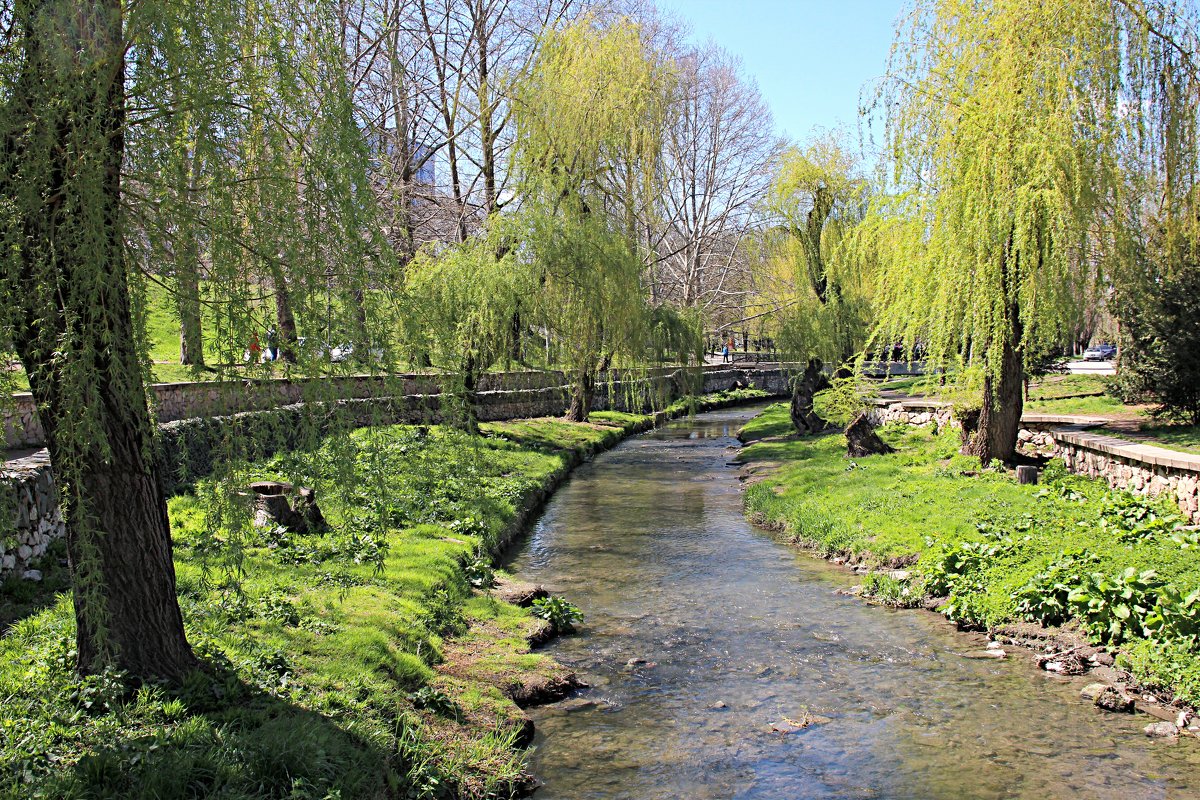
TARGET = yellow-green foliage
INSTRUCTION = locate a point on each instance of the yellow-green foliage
(312, 642)
(1004, 131)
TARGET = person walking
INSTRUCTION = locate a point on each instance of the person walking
(272, 345)
(725, 352)
(730, 346)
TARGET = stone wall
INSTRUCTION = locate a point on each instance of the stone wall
(37, 521)
(1139, 468)
(1132, 466)
(176, 401)
(191, 447)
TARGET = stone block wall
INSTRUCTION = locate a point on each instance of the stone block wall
(1134, 467)
(192, 446)
(28, 485)
(1139, 468)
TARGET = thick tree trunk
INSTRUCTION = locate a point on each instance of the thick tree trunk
(582, 394)
(71, 294)
(804, 418)
(1003, 402)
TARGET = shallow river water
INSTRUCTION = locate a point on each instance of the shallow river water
(743, 633)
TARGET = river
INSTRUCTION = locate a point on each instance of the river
(708, 646)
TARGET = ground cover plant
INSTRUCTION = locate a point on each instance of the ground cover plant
(1070, 549)
(322, 652)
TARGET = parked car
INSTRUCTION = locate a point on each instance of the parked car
(1101, 352)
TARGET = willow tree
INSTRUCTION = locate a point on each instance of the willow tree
(86, 88)
(1002, 122)
(812, 279)
(589, 118)
(462, 302)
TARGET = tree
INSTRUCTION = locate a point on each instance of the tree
(813, 283)
(86, 88)
(65, 278)
(717, 154)
(1161, 337)
(1002, 127)
(462, 301)
(589, 118)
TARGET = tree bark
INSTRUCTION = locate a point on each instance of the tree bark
(284, 317)
(804, 418)
(1003, 402)
(64, 148)
(582, 394)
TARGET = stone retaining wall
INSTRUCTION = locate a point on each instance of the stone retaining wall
(1140, 468)
(192, 447)
(176, 401)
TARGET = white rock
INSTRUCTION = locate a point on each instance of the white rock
(32, 575)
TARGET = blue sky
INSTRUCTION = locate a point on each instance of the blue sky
(810, 58)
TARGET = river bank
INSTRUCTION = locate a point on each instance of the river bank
(333, 658)
(723, 663)
(1083, 578)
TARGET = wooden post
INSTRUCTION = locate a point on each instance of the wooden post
(1027, 475)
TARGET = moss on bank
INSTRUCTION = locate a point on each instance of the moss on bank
(998, 551)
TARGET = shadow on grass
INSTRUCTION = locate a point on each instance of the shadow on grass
(244, 744)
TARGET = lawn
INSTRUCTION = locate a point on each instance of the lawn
(324, 652)
(994, 548)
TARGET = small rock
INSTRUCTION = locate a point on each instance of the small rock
(1182, 720)
(633, 663)
(718, 706)
(1161, 729)
(34, 575)
(1092, 691)
(995, 646)
(1103, 659)
(899, 574)
(1112, 700)
(1055, 666)
(986, 654)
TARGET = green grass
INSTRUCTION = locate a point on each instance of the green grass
(1050, 387)
(1185, 438)
(314, 644)
(930, 507)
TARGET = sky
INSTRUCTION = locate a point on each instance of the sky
(810, 58)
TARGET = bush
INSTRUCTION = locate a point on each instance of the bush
(1160, 358)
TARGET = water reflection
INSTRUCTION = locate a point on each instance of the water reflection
(704, 638)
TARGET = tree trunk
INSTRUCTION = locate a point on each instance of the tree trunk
(582, 394)
(1003, 402)
(66, 133)
(804, 418)
(286, 333)
(191, 332)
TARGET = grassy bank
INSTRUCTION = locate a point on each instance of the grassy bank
(359, 662)
(1067, 551)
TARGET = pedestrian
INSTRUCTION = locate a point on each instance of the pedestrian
(255, 348)
(725, 352)
(272, 345)
(730, 346)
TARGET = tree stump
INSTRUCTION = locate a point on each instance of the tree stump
(861, 439)
(1027, 475)
(279, 503)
